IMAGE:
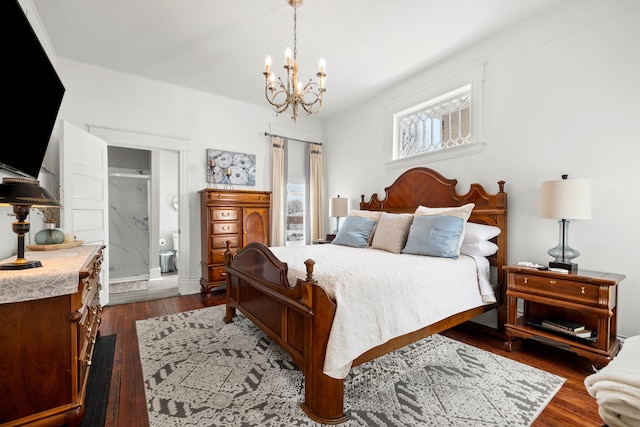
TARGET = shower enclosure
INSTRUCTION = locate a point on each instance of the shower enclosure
(129, 224)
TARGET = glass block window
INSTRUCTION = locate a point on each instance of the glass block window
(434, 125)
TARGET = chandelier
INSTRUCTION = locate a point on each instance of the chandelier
(292, 93)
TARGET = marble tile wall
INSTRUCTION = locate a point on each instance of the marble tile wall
(128, 225)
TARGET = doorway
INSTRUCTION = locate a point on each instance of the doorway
(168, 208)
(143, 223)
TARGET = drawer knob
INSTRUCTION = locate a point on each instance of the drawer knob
(526, 280)
(582, 290)
(225, 213)
(553, 282)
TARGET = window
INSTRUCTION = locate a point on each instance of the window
(295, 202)
(440, 123)
(295, 215)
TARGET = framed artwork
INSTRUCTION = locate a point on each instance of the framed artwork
(230, 168)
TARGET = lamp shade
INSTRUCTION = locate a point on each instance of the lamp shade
(338, 206)
(566, 199)
(25, 192)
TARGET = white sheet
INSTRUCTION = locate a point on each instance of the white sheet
(381, 295)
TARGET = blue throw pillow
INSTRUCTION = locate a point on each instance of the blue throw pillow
(355, 232)
(435, 235)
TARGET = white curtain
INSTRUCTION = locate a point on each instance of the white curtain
(278, 190)
(316, 192)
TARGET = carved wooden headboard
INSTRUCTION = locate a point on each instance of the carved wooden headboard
(426, 187)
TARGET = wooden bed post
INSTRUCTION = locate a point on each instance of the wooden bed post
(231, 310)
(323, 395)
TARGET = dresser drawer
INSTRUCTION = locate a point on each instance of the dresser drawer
(217, 255)
(224, 227)
(224, 214)
(563, 289)
(220, 241)
(238, 197)
(217, 274)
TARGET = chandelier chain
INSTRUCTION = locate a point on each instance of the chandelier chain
(295, 32)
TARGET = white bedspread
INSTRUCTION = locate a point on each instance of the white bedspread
(381, 295)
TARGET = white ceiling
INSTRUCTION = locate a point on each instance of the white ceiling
(219, 46)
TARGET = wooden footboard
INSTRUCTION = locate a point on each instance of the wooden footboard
(298, 318)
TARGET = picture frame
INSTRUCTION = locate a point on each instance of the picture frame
(230, 168)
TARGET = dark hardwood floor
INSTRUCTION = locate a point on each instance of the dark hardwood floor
(571, 406)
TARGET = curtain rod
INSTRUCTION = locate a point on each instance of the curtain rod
(294, 139)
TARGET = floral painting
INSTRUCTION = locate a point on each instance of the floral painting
(238, 168)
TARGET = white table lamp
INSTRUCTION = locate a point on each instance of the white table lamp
(565, 199)
(338, 206)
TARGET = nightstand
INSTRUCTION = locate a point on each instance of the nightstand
(585, 297)
(320, 241)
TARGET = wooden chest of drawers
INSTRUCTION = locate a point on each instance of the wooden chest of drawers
(234, 216)
(46, 351)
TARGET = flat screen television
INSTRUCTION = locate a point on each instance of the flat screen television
(31, 92)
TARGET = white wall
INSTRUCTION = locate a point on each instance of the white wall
(560, 96)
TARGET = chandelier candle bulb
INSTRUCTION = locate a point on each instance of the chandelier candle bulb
(287, 56)
(267, 63)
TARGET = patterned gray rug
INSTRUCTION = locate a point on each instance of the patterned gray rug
(200, 371)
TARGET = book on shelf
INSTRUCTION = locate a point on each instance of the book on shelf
(562, 324)
(585, 334)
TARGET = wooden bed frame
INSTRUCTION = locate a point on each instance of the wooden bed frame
(299, 318)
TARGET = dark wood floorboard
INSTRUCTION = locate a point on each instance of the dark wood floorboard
(572, 405)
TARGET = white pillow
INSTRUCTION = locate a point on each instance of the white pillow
(482, 248)
(463, 212)
(391, 233)
(480, 232)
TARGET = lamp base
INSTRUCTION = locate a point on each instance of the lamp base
(571, 267)
(20, 266)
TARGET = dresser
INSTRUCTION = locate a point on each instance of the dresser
(588, 298)
(237, 216)
(49, 318)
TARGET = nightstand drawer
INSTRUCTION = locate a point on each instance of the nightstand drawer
(563, 289)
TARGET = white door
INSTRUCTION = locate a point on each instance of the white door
(84, 188)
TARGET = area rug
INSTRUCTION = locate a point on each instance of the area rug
(199, 371)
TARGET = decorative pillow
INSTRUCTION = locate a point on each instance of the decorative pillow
(482, 248)
(480, 232)
(355, 232)
(391, 232)
(374, 215)
(463, 212)
(435, 235)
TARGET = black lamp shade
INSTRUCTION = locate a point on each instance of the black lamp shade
(25, 192)
(22, 194)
